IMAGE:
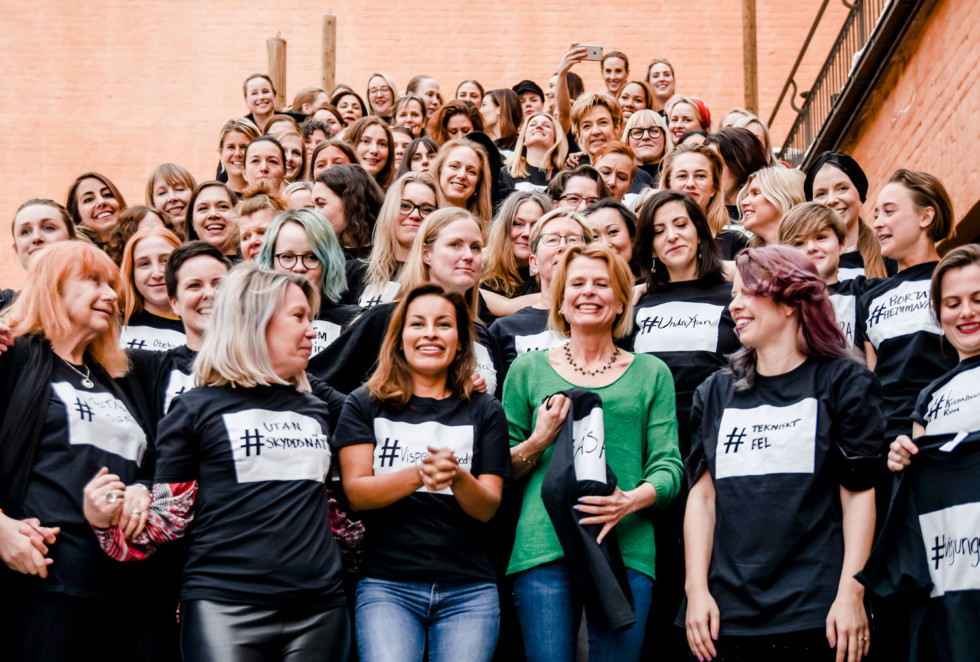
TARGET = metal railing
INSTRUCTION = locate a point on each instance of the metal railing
(820, 99)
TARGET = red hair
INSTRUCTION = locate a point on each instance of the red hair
(130, 299)
(786, 277)
(40, 308)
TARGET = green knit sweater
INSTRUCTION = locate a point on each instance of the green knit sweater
(641, 446)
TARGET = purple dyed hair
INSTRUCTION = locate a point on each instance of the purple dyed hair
(786, 277)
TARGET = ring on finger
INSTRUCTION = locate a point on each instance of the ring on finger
(111, 496)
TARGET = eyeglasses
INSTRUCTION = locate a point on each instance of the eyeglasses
(575, 199)
(407, 207)
(550, 239)
(288, 260)
(652, 131)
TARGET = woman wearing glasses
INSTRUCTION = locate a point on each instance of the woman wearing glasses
(301, 242)
(577, 189)
(409, 201)
(527, 329)
(646, 134)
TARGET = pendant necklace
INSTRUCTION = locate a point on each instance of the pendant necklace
(86, 376)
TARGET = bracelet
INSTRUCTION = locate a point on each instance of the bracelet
(521, 455)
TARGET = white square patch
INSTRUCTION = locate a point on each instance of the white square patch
(399, 445)
(845, 310)
(955, 407)
(277, 445)
(150, 338)
(545, 340)
(589, 444)
(485, 368)
(678, 326)
(767, 440)
(901, 312)
(326, 333)
(373, 296)
(178, 384)
(951, 537)
(101, 420)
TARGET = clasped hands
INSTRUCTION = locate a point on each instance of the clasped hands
(439, 469)
(110, 502)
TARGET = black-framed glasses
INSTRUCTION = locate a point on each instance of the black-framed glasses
(288, 260)
(652, 131)
(575, 199)
(551, 239)
(407, 207)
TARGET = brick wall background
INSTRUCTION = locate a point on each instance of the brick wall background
(925, 112)
(120, 86)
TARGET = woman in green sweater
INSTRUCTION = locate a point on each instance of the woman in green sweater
(591, 304)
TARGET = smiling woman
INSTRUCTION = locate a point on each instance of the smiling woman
(212, 217)
(428, 505)
(463, 172)
(63, 419)
(591, 304)
(286, 570)
(148, 321)
(94, 203)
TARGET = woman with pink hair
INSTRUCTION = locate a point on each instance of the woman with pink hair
(796, 422)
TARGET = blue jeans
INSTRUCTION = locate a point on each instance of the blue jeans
(392, 620)
(549, 611)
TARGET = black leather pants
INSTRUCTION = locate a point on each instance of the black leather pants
(219, 632)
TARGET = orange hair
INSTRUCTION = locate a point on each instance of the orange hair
(40, 308)
(130, 300)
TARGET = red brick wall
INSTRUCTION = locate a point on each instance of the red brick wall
(120, 86)
(925, 113)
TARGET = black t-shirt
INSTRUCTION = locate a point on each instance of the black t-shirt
(353, 356)
(84, 430)
(153, 332)
(731, 242)
(426, 537)
(536, 180)
(895, 316)
(928, 550)
(330, 321)
(951, 404)
(852, 265)
(689, 327)
(360, 294)
(844, 296)
(261, 529)
(778, 453)
(157, 378)
(653, 169)
(524, 331)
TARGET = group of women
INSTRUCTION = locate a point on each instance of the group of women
(444, 404)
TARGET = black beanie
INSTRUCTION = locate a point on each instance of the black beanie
(842, 162)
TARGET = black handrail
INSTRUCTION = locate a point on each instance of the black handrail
(823, 95)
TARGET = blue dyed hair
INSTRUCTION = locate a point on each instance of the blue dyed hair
(323, 243)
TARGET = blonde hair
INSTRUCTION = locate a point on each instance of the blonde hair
(622, 285)
(554, 158)
(538, 227)
(416, 271)
(716, 212)
(479, 204)
(234, 350)
(656, 118)
(781, 186)
(807, 219)
(382, 266)
(40, 309)
(587, 102)
(499, 266)
(390, 82)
